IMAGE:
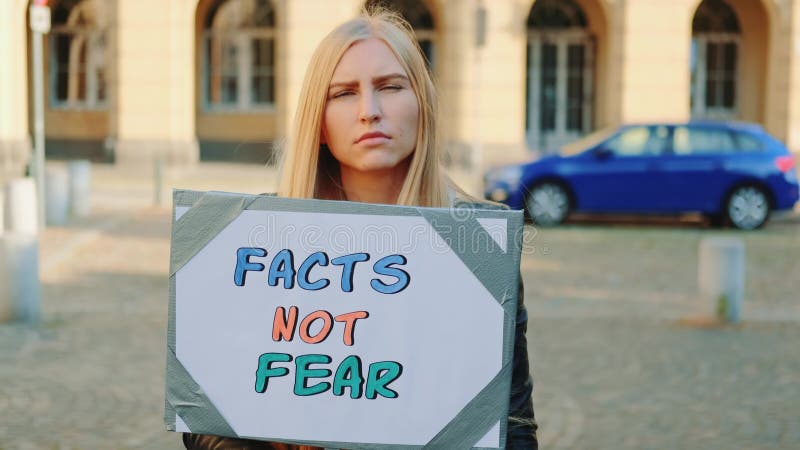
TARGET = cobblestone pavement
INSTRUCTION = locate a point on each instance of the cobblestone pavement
(621, 358)
(92, 376)
(616, 363)
(646, 383)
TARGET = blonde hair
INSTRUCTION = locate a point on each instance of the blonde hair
(309, 170)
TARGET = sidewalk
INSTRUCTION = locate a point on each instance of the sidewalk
(620, 360)
(614, 367)
(92, 376)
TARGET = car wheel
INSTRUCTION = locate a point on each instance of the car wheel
(747, 208)
(548, 204)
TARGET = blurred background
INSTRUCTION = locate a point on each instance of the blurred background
(210, 80)
(628, 348)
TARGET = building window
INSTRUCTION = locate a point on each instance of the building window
(239, 56)
(560, 70)
(78, 55)
(556, 14)
(419, 17)
(714, 60)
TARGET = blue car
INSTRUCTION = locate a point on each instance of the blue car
(733, 172)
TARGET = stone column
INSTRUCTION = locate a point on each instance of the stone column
(497, 86)
(15, 144)
(152, 107)
(302, 24)
(608, 61)
(654, 60)
(792, 69)
(455, 49)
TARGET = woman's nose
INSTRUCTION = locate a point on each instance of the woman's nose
(370, 107)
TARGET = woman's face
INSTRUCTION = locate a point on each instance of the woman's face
(371, 114)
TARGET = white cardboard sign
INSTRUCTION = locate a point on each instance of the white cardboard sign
(337, 328)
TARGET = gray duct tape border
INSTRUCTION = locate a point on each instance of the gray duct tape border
(211, 212)
(477, 418)
(202, 223)
(184, 396)
(487, 267)
(169, 411)
(188, 400)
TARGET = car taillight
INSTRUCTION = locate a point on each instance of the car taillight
(784, 163)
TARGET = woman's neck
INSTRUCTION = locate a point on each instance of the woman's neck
(374, 186)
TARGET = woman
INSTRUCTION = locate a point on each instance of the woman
(365, 131)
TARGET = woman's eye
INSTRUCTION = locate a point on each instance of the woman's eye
(342, 94)
(391, 87)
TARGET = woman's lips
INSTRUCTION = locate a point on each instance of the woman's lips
(372, 137)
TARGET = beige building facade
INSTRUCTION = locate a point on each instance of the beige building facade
(185, 80)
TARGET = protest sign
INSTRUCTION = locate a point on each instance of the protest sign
(341, 324)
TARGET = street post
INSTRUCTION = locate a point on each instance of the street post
(40, 25)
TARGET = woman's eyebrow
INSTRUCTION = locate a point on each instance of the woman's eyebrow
(389, 77)
(379, 79)
(343, 84)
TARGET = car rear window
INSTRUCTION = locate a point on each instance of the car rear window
(702, 141)
(748, 143)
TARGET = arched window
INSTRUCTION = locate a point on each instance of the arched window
(419, 16)
(560, 62)
(239, 55)
(715, 16)
(553, 14)
(78, 54)
(714, 60)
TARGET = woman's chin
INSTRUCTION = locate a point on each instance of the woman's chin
(380, 164)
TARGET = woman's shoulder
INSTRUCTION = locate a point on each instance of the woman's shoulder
(475, 203)
(460, 199)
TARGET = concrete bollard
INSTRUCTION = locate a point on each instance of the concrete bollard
(721, 273)
(20, 208)
(19, 253)
(56, 195)
(19, 278)
(79, 187)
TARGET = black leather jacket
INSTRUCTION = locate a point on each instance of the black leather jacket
(521, 420)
